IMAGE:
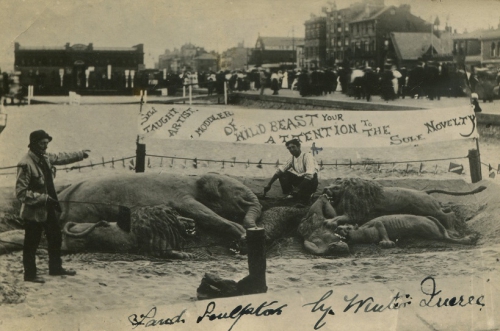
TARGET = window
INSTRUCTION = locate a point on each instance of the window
(339, 43)
(498, 49)
(339, 27)
(346, 42)
(493, 50)
(346, 27)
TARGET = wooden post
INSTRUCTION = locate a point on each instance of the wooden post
(190, 94)
(474, 165)
(255, 282)
(140, 156)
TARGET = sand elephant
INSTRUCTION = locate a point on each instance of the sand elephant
(217, 203)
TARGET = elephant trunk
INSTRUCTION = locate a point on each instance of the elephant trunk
(67, 227)
(253, 209)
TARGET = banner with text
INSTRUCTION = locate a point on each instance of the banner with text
(325, 128)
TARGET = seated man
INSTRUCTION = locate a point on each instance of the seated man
(298, 176)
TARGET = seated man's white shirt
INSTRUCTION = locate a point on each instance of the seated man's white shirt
(304, 165)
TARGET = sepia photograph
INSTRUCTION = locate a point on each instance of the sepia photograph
(250, 165)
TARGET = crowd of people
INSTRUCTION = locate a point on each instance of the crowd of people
(429, 80)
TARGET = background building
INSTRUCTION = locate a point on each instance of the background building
(185, 58)
(205, 63)
(275, 51)
(315, 42)
(338, 33)
(407, 48)
(371, 33)
(478, 48)
(235, 58)
(57, 70)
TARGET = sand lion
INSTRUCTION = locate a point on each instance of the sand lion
(358, 201)
(385, 230)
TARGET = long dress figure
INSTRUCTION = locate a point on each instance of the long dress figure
(284, 83)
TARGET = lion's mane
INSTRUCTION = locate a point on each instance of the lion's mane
(154, 224)
(358, 197)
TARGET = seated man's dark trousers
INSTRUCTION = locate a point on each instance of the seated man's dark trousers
(32, 240)
(299, 187)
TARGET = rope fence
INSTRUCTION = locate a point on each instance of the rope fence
(196, 162)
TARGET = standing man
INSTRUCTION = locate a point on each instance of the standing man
(298, 176)
(35, 189)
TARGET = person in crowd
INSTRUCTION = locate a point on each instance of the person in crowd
(295, 82)
(416, 79)
(233, 80)
(36, 191)
(357, 82)
(292, 76)
(402, 81)
(330, 80)
(396, 74)
(219, 82)
(262, 81)
(344, 74)
(284, 81)
(386, 84)
(298, 177)
(431, 74)
(303, 83)
(370, 83)
(211, 78)
(275, 82)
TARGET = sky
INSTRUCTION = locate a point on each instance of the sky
(212, 24)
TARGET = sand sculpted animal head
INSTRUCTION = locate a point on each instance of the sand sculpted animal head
(318, 238)
(154, 230)
(355, 197)
(359, 200)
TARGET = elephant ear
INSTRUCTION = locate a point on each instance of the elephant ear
(210, 186)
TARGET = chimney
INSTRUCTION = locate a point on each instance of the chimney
(368, 10)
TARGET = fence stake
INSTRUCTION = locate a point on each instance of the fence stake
(103, 162)
(475, 165)
(140, 156)
(112, 162)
